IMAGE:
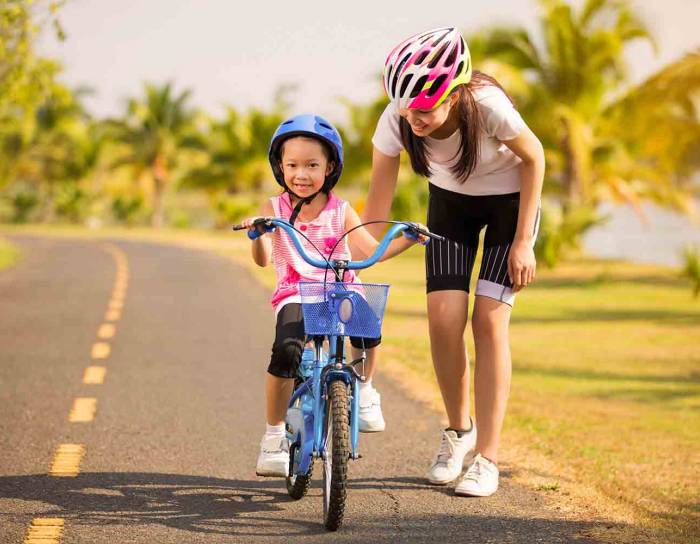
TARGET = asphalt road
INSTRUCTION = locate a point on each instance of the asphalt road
(170, 454)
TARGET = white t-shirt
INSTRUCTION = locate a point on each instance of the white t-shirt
(497, 171)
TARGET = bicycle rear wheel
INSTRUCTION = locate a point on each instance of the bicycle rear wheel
(337, 453)
(298, 484)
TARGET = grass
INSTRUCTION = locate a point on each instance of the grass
(606, 380)
(8, 254)
(605, 399)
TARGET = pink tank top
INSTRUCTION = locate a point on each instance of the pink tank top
(324, 232)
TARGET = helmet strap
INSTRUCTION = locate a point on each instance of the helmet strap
(298, 206)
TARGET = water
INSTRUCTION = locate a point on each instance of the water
(660, 239)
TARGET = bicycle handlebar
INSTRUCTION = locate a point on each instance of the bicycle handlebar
(270, 223)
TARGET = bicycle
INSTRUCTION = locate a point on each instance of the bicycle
(322, 418)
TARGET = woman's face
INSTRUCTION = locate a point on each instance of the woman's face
(304, 165)
(425, 122)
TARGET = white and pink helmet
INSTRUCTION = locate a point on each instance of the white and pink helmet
(421, 71)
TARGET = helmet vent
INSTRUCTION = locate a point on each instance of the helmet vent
(459, 68)
(421, 57)
(395, 79)
(405, 83)
(436, 84)
(442, 37)
(453, 55)
(438, 55)
(418, 87)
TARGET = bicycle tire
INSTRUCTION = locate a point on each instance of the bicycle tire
(298, 484)
(335, 465)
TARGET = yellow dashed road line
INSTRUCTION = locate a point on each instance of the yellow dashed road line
(113, 315)
(44, 531)
(94, 375)
(66, 461)
(116, 304)
(83, 410)
(100, 350)
(106, 331)
(67, 458)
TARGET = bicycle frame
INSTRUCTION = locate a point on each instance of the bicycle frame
(306, 414)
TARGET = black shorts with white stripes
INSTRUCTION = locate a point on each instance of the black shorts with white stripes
(460, 218)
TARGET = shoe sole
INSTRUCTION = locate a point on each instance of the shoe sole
(270, 473)
(441, 482)
(474, 493)
(279, 471)
(373, 429)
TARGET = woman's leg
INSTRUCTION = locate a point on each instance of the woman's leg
(447, 319)
(492, 372)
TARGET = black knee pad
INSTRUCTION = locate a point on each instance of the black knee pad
(285, 358)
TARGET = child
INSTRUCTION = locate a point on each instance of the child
(306, 155)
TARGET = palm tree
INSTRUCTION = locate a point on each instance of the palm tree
(156, 130)
(571, 87)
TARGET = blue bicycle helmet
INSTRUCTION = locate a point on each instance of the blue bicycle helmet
(312, 126)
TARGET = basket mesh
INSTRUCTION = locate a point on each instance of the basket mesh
(348, 309)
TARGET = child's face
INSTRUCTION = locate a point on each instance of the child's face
(304, 165)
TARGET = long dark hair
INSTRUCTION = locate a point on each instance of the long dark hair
(469, 128)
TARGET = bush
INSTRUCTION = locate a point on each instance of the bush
(71, 203)
(561, 232)
(232, 209)
(127, 209)
(23, 204)
(691, 268)
(410, 200)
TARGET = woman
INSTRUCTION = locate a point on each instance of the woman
(485, 169)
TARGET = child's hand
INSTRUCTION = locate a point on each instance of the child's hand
(248, 223)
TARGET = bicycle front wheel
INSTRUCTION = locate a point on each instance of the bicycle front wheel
(337, 453)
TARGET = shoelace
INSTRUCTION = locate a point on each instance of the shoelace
(446, 450)
(474, 471)
(273, 445)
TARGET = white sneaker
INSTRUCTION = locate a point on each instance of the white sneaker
(274, 456)
(371, 419)
(480, 480)
(447, 464)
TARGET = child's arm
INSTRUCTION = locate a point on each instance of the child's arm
(261, 247)
(364, 244)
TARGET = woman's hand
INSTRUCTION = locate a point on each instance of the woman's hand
(521, 264)
(422, 239)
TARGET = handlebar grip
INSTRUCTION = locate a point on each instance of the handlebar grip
(254, 234)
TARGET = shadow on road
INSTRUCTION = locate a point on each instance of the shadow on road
(248, 508)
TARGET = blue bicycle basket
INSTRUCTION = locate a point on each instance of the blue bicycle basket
(347, 309)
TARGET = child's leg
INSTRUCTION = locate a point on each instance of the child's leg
(370, 417)
(370, 362)
(273, 459)
(286, 355)
(278, 391)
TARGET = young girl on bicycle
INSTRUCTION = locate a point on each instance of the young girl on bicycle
(485, 169)
(306, 156)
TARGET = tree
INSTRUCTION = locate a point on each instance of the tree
(25, 78)
(571, 86)
(156, 130)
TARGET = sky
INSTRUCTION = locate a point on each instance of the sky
(239, 53)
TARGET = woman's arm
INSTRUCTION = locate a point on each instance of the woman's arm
(363, 244)
(385, 172)
(521, 262)
(261, 248)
